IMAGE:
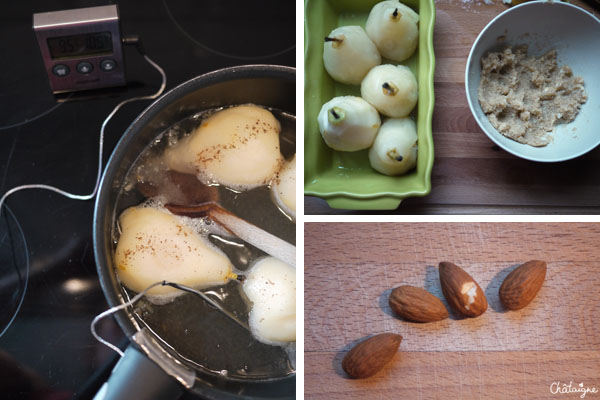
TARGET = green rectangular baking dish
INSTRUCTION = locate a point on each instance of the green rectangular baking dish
(346, 180)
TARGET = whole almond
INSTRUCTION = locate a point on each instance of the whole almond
(522, 285)
(461, 291)
(416, 304)
(369, 356)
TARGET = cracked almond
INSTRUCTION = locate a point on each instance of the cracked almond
(461, 291)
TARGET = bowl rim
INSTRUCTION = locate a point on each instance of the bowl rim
(471, 102)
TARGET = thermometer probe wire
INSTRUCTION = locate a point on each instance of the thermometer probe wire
(138, 296)
(100, 147)
(99, 173)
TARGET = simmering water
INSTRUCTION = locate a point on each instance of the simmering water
(198, 334)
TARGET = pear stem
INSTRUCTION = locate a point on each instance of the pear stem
(336, 41)
(394, 155)
(389, 89)
(336, 115)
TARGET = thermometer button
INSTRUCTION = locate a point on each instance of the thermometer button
(84, 67)
(60, 70)
(108, 65)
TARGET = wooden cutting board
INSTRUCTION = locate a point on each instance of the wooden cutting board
(350, 269)
(471, 174)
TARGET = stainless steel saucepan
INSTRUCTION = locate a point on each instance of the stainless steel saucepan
(153, 368)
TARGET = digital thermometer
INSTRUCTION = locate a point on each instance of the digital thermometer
(81, 48)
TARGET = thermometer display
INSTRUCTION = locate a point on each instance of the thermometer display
(81, 48)
(79, 45)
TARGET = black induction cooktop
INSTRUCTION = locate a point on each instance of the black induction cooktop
(49, 289)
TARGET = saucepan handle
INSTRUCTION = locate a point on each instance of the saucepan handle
(135, 376)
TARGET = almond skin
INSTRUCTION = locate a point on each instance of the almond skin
(416, 304)
(370, 356)
(461, 291)
(522, 285)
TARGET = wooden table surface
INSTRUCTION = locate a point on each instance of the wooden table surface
(471, 175)
(350, 269)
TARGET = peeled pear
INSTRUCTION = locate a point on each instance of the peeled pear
(348, 54)
(284, 188)
(394, 151)
(154, 246)
(391, 89)
(393, 28)
(237, 147)
(348, 123)
(271, 287)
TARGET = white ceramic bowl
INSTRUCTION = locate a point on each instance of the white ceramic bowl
(545, 25)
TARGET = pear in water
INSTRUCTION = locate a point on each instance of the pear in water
(155, 245)
(391, 89)
(237, 147)
(271, 287)
(394, 151)
(392, 26)
(284, 188)
(348, 54)
(348, 123)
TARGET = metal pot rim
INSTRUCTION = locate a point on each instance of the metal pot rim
(121, 148)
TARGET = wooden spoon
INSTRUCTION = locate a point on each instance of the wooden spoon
(246, 231)
(178, 188)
